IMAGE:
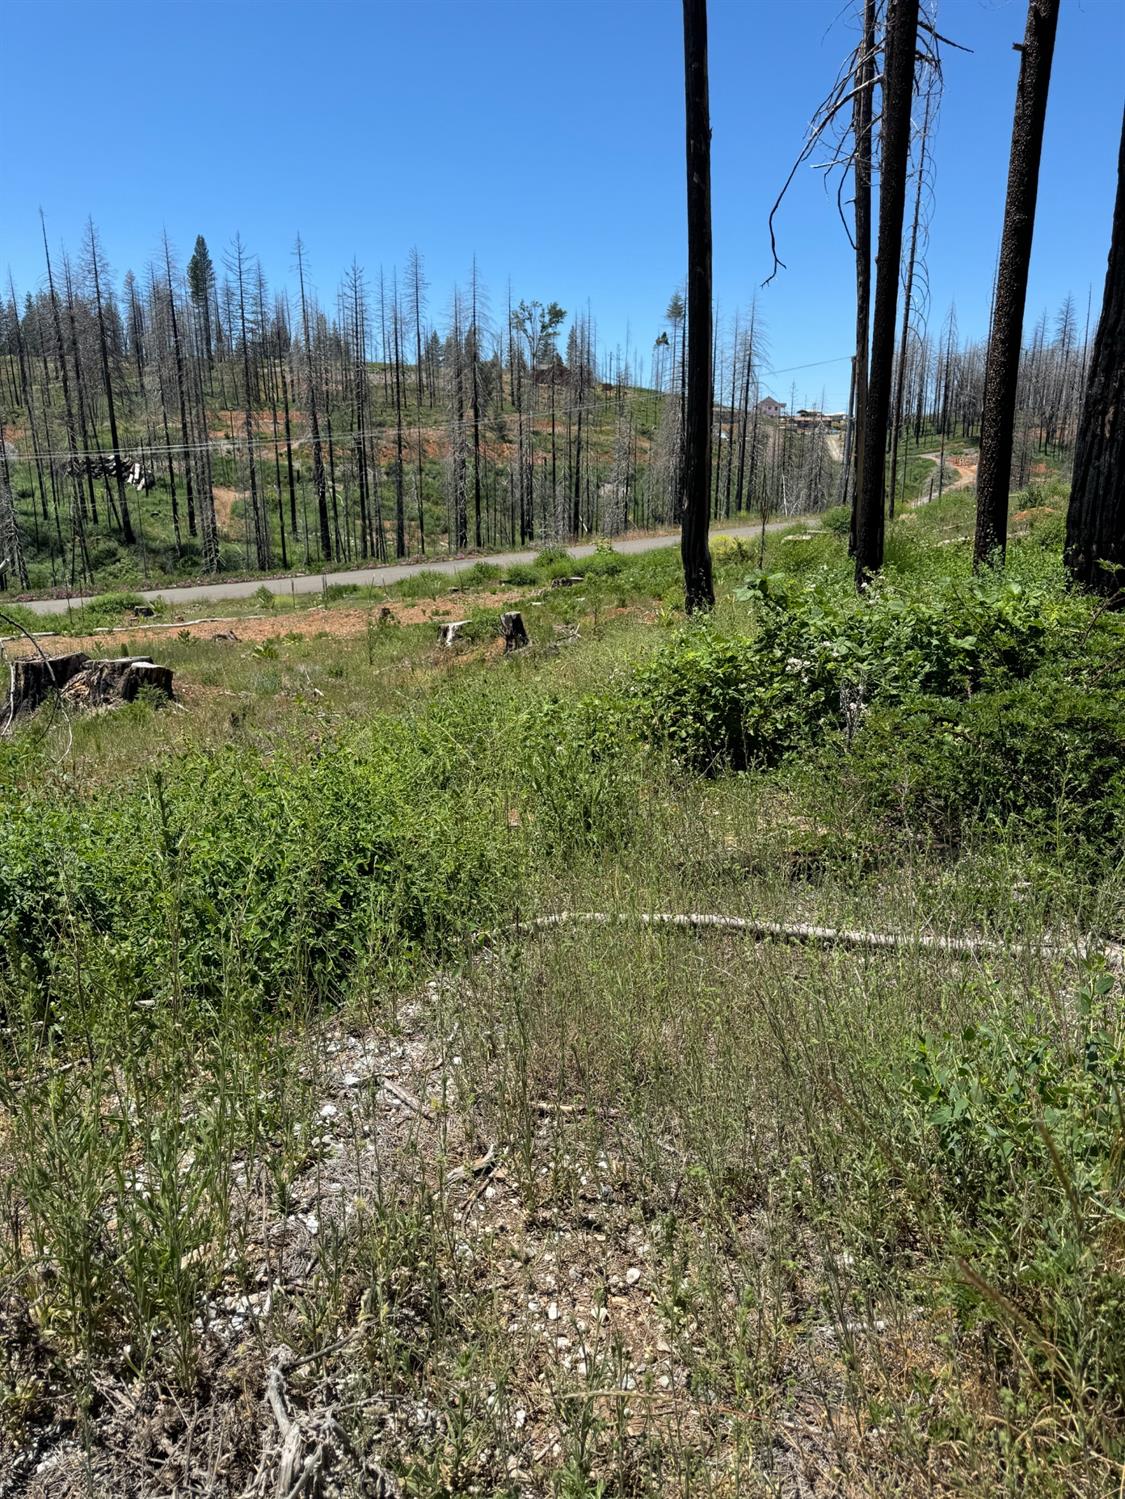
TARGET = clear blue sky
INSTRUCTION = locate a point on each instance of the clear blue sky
(546, 138)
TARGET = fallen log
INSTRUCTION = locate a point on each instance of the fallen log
(805, 932)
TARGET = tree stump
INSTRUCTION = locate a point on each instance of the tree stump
(158, 679)
(34, 678)
(514, 631)
(567, 582)
(109, 684)
(386, 615)
(450, 632)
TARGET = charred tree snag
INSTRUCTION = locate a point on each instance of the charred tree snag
(898, 89)
(699, 591)
(1002, 369)
(1095, 520)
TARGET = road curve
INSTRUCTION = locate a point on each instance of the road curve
(194, 593)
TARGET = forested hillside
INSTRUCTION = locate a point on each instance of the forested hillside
(184, 424)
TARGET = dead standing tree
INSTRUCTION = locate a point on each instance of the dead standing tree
(1002, 370)
(1095, 521)
(699, 590)
(854, 129)
(898, 91)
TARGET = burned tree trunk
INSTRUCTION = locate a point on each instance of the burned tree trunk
(699, 591)
(861, 129)
(1095, 521)
(898, 89)
(1001, 374)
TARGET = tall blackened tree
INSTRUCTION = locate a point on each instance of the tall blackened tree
(1002, 370)
(1095, 522)
(11, 551)
(898, 90)
(95, 269)
(699, 591)
(861, 130)
(319, 483)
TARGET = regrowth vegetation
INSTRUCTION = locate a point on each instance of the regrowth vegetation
(654, 1197)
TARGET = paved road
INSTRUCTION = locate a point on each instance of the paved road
(394, 573)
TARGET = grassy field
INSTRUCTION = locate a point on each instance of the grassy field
(322, 1161)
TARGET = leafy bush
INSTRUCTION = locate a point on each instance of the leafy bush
(285, 873)
(480, 575)
(550, 557)
(716, 699)
(521, 575)
(605, 563)
(108, 608)
(820, 656)
(837, 519)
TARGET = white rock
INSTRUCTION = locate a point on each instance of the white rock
(632, 1276)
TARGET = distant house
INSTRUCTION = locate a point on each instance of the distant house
(767, 406)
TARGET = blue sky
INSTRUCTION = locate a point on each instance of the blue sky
(545, 138)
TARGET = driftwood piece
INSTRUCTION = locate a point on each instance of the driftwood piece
(567, 582)
(450, 632)
(34, 678)
(514, 631)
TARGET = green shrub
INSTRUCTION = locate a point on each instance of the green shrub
(820, 656)
(109, 607)
(837, 520)
(550, 557)
(521, 575)
(605, 563)
(722, 700)
(480, 575)
(288, 874)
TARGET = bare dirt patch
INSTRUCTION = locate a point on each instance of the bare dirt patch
(225, 500)
(339, 623)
